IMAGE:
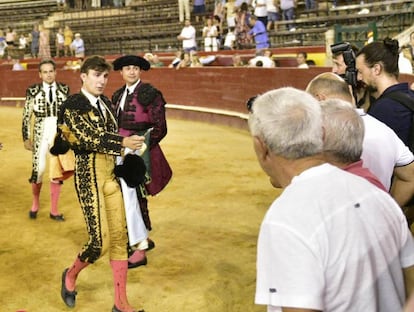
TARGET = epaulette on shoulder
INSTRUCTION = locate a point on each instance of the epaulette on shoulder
(33, 89)
(77, 102)
(64, 88)
(147, 94)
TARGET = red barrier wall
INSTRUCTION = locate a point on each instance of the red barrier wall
(224, 88)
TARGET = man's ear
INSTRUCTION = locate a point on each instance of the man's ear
(261, 148)
(377, 68)
(83, 76)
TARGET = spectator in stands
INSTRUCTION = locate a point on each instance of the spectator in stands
(178, 57)
(243, 40)
(230, 13)
(411, 44)
(260, 10)
(288, 12)
(188, 37)
(404, 61)
(237, 60)
(117, 3)
(156, 62)
(210, 36)
(34, 45)
(264, 60)
(185, 62)
(259, 33)
(377, 65)
(272, 14)
(230, 39)
(44, 43)
(3, 45)
(309, 219)
(17, 65)
(311, 4)
(195, 61)
(60, 43)
(219, 26)
(199, 9)
(22, 42)
(219, 8)
(68, 34)
(301, 58)
(78, 46)
(41, 109)
(11, 37)
(184, 10)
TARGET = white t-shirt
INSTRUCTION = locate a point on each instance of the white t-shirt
(332, 241)
(382, 149)
(260, 8)
(190, 33)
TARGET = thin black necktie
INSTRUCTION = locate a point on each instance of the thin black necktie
(98, 105)
(50, 94)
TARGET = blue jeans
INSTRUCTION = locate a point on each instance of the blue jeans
(289, 15)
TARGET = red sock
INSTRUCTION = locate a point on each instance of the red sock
(73, 272)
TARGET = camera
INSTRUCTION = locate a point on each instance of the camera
(349, 58)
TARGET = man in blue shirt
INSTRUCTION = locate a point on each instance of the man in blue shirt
(258, 31)
(377, 65)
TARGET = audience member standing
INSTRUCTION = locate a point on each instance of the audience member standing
(259, 33)
(43, 102)
(199, 9)
(68, 34)
(78, 46)
(34, 45)
(184, 10)
(210, 36)
(60, 43)
(260, 10)
(288, 12)
(230, 13)
(322, 216)
(272, 14)
(243, 41)
(11, 36)
(188, 37)
(44, 43)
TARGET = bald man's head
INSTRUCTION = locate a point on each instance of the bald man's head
(329, 86)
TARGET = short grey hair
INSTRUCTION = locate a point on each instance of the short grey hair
(344, 131)
(289, 122)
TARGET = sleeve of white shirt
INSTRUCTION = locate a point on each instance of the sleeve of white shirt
(288, 270)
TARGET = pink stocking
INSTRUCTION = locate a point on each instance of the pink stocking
(73, 272)
(36, 187)
(54, 197)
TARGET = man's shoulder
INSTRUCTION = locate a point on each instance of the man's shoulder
(33, 89)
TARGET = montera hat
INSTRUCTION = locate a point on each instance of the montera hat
(127, 60)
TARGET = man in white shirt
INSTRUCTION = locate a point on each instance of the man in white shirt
(331, 241)
(384, 154)
(188, 37)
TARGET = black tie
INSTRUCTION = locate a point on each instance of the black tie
(50, 94)
(98, 105)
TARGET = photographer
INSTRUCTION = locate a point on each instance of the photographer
(343, 58)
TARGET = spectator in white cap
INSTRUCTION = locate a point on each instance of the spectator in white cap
(78, 46)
